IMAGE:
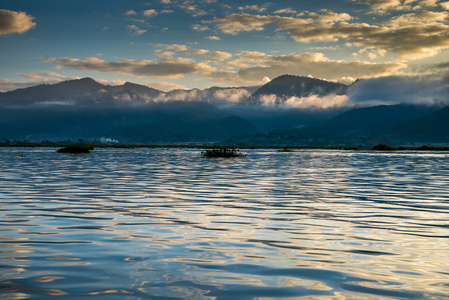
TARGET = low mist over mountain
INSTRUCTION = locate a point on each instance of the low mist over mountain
(290, 110)
(87, 91)
(287, 86)
(84, 91)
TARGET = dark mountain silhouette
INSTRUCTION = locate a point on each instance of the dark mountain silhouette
(273, 118)
(432, 127)
(185, 122)
(135, 113)
(165, 122)
(399, 124)
(85, 91)
(186, 127)
(286, 86)
(369, 119)
(56, 123)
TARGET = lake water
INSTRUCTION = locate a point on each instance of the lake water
(170, 224)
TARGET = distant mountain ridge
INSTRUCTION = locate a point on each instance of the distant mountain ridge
(87, 91)
(287, 86)
(165, 122)
(133, 113)
(377, 117)
(432, 127)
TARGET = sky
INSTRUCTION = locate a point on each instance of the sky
(185, 44)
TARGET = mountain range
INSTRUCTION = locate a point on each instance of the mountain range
(133, 113)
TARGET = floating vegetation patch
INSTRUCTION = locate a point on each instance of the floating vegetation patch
(222, 152)
(76, 148)
(382, 147)
(285, 149)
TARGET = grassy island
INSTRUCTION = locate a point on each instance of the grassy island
(76, 148)
(222, 152)
(285, 149)
(383, 147)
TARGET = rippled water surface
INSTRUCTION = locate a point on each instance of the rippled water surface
(170, 224)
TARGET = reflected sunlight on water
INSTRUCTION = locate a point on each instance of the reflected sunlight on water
(170, 224)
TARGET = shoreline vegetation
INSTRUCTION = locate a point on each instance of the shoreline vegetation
(223, 152)
(280, 148)
(76, 148)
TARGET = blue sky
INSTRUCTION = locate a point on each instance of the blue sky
(170, 44)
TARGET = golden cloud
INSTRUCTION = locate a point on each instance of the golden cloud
(219, 55)
(319, 66)
(15, 22)
(171, 68)
(412, 36)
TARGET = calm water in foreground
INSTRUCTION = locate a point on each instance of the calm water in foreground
(169, 224)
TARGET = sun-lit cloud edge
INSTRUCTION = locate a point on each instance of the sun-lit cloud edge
(412, 36)
(15, 22)
(241, 69)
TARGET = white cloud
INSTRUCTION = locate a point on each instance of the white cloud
(254, 56)
(213, 38)
(172, 68)
(201, 52)
(218, 96)
(150, 13)
(192, 9)
(165, 86)
(219, 55)
(9, 85)
(383, 5)
(234, 95)
(285, 11)
(247, 59)
(312, 101)
(411, 36)
(198, 27)
(161, 52)
(231, 78)
(235, 23)
(43, 74)
(130, 13)
(331, 17)
(173, 47)
(179, 95)
(111, 82)
(253, 7)
(15, 22)
(253, 68)
(36, 78)
(134, 30)
(319, 66)
(417, 20)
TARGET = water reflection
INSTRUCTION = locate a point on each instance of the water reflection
(154, 223)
